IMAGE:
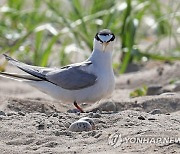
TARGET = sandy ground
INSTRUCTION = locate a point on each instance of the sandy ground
(33, 123)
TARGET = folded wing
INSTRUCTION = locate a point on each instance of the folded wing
(70, 77)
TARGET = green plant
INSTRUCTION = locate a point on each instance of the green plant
(142, 91)
(37, 32)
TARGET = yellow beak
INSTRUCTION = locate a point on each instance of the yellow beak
(104, 45)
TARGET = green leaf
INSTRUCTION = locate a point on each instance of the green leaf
(139, 92)
(48, 50)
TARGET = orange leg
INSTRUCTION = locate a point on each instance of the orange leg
(78, 107)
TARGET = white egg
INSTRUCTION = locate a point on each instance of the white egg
(88, 120)
(80, 126)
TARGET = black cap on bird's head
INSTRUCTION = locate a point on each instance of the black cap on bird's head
(104, 37)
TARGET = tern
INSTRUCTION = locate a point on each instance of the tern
(88, 81)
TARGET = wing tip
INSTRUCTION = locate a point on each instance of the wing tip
(7, 57)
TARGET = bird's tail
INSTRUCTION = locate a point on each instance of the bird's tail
(19, 77)
(33, 72)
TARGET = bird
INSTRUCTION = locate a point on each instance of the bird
(85, 82)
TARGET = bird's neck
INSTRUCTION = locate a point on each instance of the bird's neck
(101, 59)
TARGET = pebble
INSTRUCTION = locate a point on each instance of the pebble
(78, 113)
(21, 113)
(11, 113)
(141, 118)
(109, 106)
(177, 88)
(96, 115)
(155, 111)
(55, 114)
(154, 90)
(160, 71)
(151, 119)
(2, 113)
(97, 135)
(73, 111)
(90, 114)
(1, 117)
(41, 126)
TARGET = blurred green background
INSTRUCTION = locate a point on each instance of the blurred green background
(59, 32)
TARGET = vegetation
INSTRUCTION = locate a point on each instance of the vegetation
(142, 91)
(37, 31)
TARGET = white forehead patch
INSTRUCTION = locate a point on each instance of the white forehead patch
(105, 38)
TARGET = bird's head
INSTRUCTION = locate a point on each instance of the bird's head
(104, 41)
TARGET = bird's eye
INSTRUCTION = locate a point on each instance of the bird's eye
(97, 38)
(112, 38)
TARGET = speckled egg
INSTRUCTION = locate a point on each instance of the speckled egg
(80, 126)
(90, 120)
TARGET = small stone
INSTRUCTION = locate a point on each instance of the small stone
(141, 118)
(84, 104)
(92, 133)
(155, 149)
(49, 125)
(21, 113)
(11, 113)
(177, 86)
(151, 119)
(128, 81)
(2, 113)
(67, 124)
(94, 110)
(99, 111)
(73, 111)
(90, 114)
(41, 126)
(55, 114)
(154, 90)
(51, 145)
(78, 113)
(160, 71)
(130, 123)
(97, 135)
(1, 117)
(108, 106)
(96, 115)
(155, 111)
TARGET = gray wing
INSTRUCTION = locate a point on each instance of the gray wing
(70, 77)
